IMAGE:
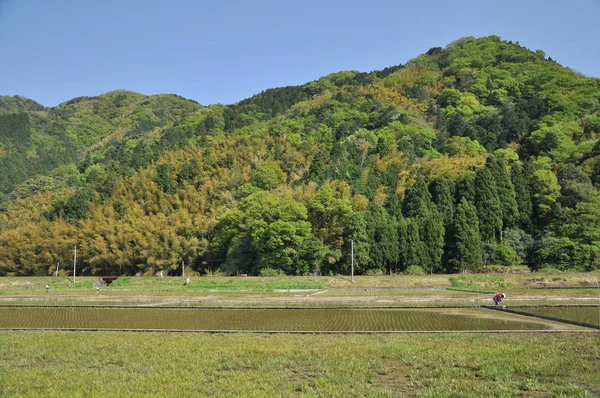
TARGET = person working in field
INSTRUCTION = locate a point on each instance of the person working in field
(499, 298)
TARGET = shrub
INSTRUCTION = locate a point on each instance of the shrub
(477, 281)
(549, 270)
(505, 269)
(214, 273)
(374, 272)
(271, 272)
(414, 270)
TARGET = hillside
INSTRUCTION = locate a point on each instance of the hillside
(36, 141)
(482, 152)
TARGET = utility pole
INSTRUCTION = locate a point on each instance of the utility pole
(57, 265)
(183, 269)
(74, 263)
(352, 259)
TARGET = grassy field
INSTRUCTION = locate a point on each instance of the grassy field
(52, 363)
(172, 284)
(103, 364)
(62, 284)
(308, 292)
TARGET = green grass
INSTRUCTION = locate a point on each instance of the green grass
(531, 280)
(35, 285)
(309, 292)
(392, 292)
(219, 283)
(100, 364)
(188, 364)
(479, 281)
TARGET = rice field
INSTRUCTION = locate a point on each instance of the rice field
(589, 315)
(324, 362)
(285, 320)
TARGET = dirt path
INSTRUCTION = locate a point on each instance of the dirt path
(296, 299)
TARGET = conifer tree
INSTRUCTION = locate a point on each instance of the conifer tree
(416, 200)
(465, 247)
(414, 245)
(441, 195)
(428, 244)
(431, 233)
(522, 196)
(393, 205)
(488, 206)
(505, 189)
(402, 227)
(465, 188)
(383, 236)
(357, 230)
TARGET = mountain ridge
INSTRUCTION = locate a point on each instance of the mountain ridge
(481, 127)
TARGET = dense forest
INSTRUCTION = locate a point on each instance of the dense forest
(479, 153)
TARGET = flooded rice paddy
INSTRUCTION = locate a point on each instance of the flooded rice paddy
(588, 315)
(292, 320)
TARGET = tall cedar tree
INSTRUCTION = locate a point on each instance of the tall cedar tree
(403, 248)
(431, 232)
(393, 205)
(418, 206)
(465, 188)
(505, 189)
(522, 196)
(441, 195)
(383, 237)
(489, 210)
(416, 200)
(465, 248)
(357, 230)
(414, 246)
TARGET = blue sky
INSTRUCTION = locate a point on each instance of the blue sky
(224, 51)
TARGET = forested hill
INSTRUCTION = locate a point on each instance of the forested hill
(482, 152)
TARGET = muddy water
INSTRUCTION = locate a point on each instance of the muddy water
(260, 319)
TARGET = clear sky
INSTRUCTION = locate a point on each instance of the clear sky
(224, 51)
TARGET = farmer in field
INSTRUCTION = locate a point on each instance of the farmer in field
(499, 298)
(47, 288)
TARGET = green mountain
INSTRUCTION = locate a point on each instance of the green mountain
(18, 104)
(479, 153)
